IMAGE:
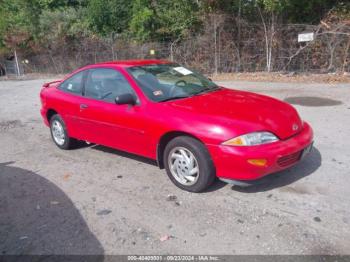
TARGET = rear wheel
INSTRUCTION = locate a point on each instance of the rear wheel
(188, 164)
(59, 133)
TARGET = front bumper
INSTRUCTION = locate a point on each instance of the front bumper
(231, 162)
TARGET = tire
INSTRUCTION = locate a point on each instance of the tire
(67, 142)
(181, 166)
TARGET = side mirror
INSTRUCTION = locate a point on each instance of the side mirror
(125, 99)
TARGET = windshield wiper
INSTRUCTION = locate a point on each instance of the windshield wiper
(173, 98)
(207, 90)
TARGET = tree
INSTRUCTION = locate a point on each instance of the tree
(106, 17)
(144, 22)
(56, 4)
(307, 11)
(163, 19)
(177, 18)
(57, 25)
(269, 11)
(18, 22)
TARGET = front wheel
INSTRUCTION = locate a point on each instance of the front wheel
(188, 164)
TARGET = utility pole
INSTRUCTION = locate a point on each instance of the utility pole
(238, 68)
(17, 65)
(215, 46)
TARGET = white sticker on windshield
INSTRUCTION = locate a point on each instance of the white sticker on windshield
(158, 93)
(183, 70)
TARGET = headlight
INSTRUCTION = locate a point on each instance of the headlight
(252, 139)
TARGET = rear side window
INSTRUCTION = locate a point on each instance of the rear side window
(74, 84)
(106, 84)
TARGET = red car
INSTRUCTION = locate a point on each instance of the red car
(193, 128)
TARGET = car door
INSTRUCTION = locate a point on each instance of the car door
(68, 100)
(106, 123)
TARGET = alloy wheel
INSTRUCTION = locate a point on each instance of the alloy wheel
(183, 166)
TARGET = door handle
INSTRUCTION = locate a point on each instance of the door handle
(83, 106)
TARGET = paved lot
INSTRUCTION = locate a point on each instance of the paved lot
(96, 200)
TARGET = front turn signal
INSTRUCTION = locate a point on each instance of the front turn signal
(257, 162)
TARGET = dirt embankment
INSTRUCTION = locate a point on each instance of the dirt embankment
(253, 77)
(280, 77)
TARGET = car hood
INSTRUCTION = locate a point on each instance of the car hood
(243, 111)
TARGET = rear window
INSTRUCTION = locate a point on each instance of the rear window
(74, 84)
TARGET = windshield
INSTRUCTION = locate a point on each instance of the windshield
(164, 82)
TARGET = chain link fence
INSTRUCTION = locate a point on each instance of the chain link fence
(224, 46)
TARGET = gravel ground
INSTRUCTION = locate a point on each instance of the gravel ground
(94, 200)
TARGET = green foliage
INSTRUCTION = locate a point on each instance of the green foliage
(56, 25)
(213, 6)
(18, 22)
(291, 11)
(307, 11)
(273, 6)
(342, 10)
(40, 21)
(106, 17)
(55, 4)
(163, 19)
(177, 18)
(144, 21)
(24, 23)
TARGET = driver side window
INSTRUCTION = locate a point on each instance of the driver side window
(106, 84)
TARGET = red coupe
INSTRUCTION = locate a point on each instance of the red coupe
(193, 128)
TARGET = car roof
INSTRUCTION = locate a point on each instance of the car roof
(128, 63)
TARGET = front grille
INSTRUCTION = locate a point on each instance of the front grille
(289, 159)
